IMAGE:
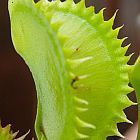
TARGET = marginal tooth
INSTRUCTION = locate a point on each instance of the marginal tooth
(89, 11)
(23, 137)
(122, 118)
(81, 4)
(76, 62)
(111, 20)
(114, 131)
(127, 121)
(115, 32)
(8, 127)
(133, 103)
(81, 109)
(129, 56)
(101, 14)
(118, 28)
(125, 49)
(127, 89)
(126, 102)
(98, 18)
(123, 59)
(123, 39)
(82, 123)
(81, 101)
(117, 133)
(127, 46)
(81, 136)
(118, 42)
(15, 134)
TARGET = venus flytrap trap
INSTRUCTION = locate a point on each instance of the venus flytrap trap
(7, 134)
(78, 65)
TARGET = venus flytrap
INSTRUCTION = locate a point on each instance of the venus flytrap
(78, 65)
